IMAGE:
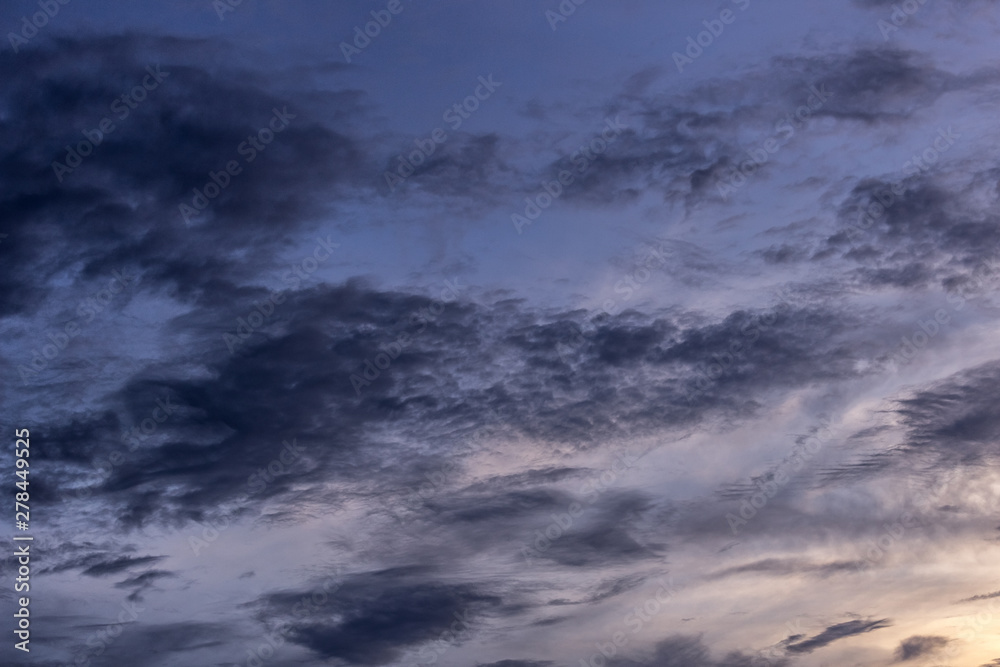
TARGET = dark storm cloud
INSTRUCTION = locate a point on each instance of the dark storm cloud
(224, 429)
(120, 206)
(928, 232)
(684, 144)
(955, 418)
(919, 646)
(838, 631)
(605, 536)
(942, 425)
(375, 616)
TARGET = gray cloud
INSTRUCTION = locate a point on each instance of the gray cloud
(919, 646)
(836, 632)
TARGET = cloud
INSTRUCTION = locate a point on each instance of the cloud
(125, 205)
(690, 651)
(984, 596)
(102, 564)
(836, 632)
(919, 646)
(376, 616)
(788, 566)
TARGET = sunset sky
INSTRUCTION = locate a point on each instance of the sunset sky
(503, 334)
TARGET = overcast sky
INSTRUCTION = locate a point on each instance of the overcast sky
(519, 334)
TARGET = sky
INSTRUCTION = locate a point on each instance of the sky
(523, 334)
